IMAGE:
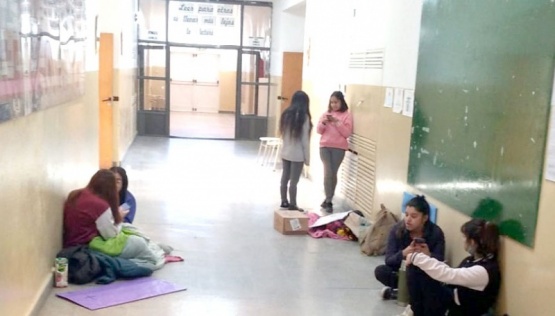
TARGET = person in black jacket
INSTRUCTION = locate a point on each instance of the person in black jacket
(469, 290)
(415, 233)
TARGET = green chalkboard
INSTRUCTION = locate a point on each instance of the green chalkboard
(483, 90)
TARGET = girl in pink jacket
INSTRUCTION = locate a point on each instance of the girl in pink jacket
(335, 126)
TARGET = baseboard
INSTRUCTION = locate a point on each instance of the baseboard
(226, 112)
(46, 290)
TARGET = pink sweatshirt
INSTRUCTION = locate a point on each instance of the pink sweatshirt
(335, 134)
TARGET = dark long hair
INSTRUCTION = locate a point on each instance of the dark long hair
(293, 118)
(421, 206)
(485, 234)
(339, 96)
(124, 182)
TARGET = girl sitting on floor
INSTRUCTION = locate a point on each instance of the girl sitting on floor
(469, 290)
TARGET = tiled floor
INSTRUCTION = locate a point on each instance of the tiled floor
(202, 125)
(214, 205)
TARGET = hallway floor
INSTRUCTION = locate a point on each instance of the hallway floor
(202, 125)
(213, 203)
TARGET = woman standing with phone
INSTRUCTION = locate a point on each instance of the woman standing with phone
(335, 126)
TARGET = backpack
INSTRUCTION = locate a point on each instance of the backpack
(375, 240)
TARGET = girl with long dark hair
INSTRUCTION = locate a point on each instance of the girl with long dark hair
(294, 127)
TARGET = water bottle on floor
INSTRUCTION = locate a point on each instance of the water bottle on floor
(402, 287)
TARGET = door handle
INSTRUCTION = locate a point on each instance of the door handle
(112, 98)
(282, 98)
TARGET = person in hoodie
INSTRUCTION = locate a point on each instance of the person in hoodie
(335, 126)
(126, 199)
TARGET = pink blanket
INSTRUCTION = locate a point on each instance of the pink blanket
(321, 231)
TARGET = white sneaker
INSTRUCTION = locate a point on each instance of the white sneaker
(407, 312)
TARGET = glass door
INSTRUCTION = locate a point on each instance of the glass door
(152, 114)
(254, 85)
(253, 89)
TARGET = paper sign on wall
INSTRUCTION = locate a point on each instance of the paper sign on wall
(408, 102)
(398, 100)
(388, 102)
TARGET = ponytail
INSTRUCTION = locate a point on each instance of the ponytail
(485, 234)
(490, 238)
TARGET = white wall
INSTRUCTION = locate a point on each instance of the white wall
(402, 35)
(287, 33)
(392, 26)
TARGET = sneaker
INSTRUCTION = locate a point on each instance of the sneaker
(284, 205)
(388, 293)
(295, 208)
(329, 207)
(325, 204)
(385, 293)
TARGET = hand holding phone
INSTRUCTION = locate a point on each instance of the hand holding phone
(421, 246)
(124, 209)
(123, 212)
(419, 240)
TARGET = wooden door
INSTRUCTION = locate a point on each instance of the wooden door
(105, 97)
(292, 77)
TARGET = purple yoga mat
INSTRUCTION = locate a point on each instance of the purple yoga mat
(120, 292)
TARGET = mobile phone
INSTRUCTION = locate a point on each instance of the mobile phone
(125, 206)
(419, 240)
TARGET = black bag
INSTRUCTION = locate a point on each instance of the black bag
(83, 266)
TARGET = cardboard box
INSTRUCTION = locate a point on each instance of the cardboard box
(290, 222)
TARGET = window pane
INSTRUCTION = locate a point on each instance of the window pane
(154, 61)
(154, 95)
(255, 66)
(254, 99)
(248, 93)
(263, 92)
(257, 28)
(204, 23)
(249, 68)
(152, 20)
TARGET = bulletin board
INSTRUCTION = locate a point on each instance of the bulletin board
(42, 55)
(482, 102)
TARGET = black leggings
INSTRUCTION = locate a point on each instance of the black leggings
(428, 297)
(386, 275)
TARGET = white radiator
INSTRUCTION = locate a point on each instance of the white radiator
(358, 174)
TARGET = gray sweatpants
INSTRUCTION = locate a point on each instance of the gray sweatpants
(331, 158)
